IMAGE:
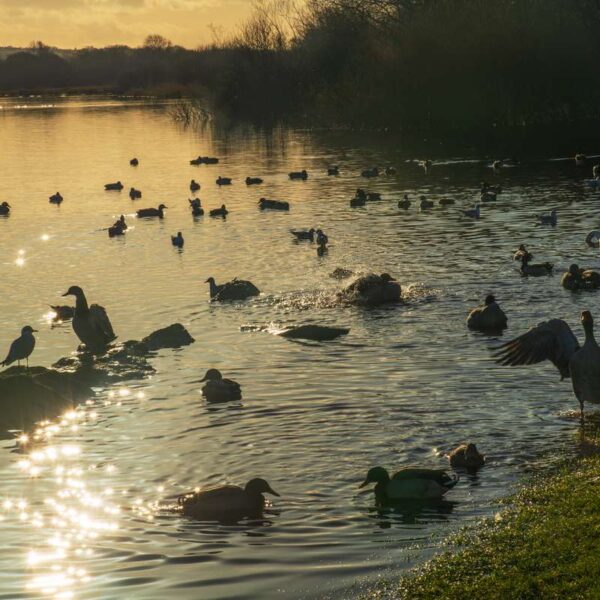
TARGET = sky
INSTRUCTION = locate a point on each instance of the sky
(79, 23)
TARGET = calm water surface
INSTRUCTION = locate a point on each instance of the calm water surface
(81, 514)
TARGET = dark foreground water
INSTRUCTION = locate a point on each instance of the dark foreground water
(80, 516)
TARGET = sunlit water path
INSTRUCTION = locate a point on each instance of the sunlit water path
(81, 502)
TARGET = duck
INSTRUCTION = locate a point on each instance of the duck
(404, 203)
(536, 270)
(264, 204)
(593, 239)
(425, 164)
(134, 194)
(196, 206)
(177, 240)
(473, 213)
(21, 348)
(4, 208)
(487, 317)
(369, 173)
(447, 201)
(333, 171)
(134, 162)
(237, 289)
(152, 212)
(194, 185)
(219, 212)
(55, 198)
(315, 333)
(217, 389)
(120, 222)
(304, 235)
(497, 165)
(466, 456)
(358, 201)
(522, 251)
(409, 484)
(425, 204)
(372, 290)
(322, 238)
(90, 323)
(223, 180)
(390, 170)
(576, 279)
(118, 186)
(62, 312)
(298, 175)
(554, 340)
(596, 171)
(206, 160)
(116, 229)
(551, 219)
(227, 502)
(253, 180)
(373, 196)
(580, 160)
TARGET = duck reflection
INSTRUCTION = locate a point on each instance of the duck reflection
(388, 512)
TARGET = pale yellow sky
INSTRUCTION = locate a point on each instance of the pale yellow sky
(78, 23)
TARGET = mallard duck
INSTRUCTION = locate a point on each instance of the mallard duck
(194, 185)
(534, 270)
(580, 279)
(265, 204)
(425, 204)
(554, 341)
(358, 201)
(522, 251)
(195, 205)
(223, 180)
(332, 171)
(404, 203)
(322, 238)
(473, 213)
(63, 313)
(135, 194)
(152, 212)
(304, 235)
(390, 170)
(118, 186)
(487, 317)
(298, 175)
(4, 208)
(21, 348)
(120, 222)
(219, 212)
(195, 202)
(372, 290)
(90, 323)
(237, 289)
(134, 162)
(177, 240)
(227, 502)
(466, 456)
(447, 201)
(593, 239)
(55, 198)
(368, 173)
(409, 484)
(217, 389)
(580, 160)
(253, 180)
(551, 219)
(116, 230)
(497, 164)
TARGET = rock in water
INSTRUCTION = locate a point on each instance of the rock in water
(173, 336)
(317, 333)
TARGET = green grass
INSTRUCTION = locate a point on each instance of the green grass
(547, 545)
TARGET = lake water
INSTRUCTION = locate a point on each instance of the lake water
(81, 514)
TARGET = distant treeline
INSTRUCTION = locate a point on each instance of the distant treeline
(399, 64)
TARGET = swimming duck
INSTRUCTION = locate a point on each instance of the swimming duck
(237, 289)
(223, 180)
(425, 204)
(487, 317)
(404, 203)
(55, 198)
(466, 456)
(473, 213)
(217, 389)
(372, 290)
(409, 484)
(322, 238)
(63, 313)
(335, 170)
(593, 239)
(358, 201)
(554, 341)
(120, 222)
(298, 175)
(580, 160)
(596, 171)
(135, 194)
(537, 270)
(253, 180)
(580, 279)
(152, 212)
(390, 171)
(522, 251)
(90, 323)
(304, 235)
(118, 186)
(177, 240)
(196, 206)
(194, 185)
(4, 208)
(219, 212)
(116, 229)
(489, 193)
(373, 196)
(447, 201)
(368, 173)
(21, 348)
(497, 164)
(206, 160)
(264, 204)
(134, 162)
(551, 219)
(425, 164)
(227, 502)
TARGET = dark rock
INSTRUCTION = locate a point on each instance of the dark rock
(173, 336)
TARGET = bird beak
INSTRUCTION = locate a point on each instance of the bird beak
(203, 379)
(35, 330)
(65, 294)
(364, 484)
(207, 281)
(272, 491)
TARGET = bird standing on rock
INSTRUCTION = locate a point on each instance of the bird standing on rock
(21, 348)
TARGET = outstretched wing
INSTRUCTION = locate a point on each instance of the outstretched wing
(101, 322)
(550, 340)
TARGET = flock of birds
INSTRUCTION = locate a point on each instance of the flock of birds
(551, 340)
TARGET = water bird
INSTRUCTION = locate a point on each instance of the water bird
(425, 164)
(322, 237)
(194, 185)
(522, 251)
(554, 340)
(373, 196)
(219, 212)
(358, 200)
(62, 312)
(404, 203)
(298, 175)
(596, 171)
(253, 180)
(390, 171)
(152, 212)
(334, 170)
(487, 317)
(21, 348)
(580, 160)
(4, 208)
(134, 162)
(473, 213)
(264, 204)
(425, 204)
(497, 164)
(236, 289)
(177, 240)
(592, 239)
(489, 193)
(304, 235)
(576, 279)
(90, 323)
(118, 186)
(317, 333)
(372, 290)
(223, 180)
(204, 160)
(218, 389)
(227, 502)
(135, 194)
(536, 270)
(196, 206)
(446, 201)
(409, 484)
(466, 456)
(369, 173)
(118, 228)
(55, 198)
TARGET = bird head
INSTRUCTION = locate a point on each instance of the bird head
(212, 375)
(162, 206)
(6, 204)
(259, 486)
(210, 280)
(386, 277)
(375, 475)
(574, 269)
(490, 299)
(28, 330)
(586, 318)
(74, 290)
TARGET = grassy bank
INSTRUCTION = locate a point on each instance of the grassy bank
(545, 546)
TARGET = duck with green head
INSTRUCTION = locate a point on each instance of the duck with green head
(409, 483)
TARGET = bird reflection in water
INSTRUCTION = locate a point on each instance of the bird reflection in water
(410, 512)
